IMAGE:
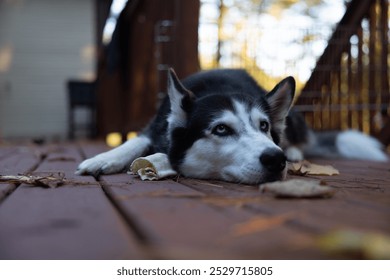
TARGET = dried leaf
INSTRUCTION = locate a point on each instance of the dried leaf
(298, 188)
(305, 167)
(153, 167)
(370, 245)
(51, 180)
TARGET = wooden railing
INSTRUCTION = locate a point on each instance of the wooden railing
(350, 83)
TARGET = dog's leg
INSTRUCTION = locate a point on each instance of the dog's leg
(115, 160)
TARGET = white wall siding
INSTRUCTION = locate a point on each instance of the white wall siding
(50, 42)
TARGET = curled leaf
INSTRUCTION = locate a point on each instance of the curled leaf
(305, 167)
(153, 167)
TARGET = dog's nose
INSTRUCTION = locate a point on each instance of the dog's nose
(273, 160)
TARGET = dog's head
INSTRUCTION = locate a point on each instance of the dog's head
(231, 137)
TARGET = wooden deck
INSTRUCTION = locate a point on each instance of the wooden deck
(121, 217)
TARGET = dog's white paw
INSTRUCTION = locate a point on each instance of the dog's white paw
(293, 154)
(116, 160)
(101, 164)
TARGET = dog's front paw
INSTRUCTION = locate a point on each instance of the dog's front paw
(100, 164)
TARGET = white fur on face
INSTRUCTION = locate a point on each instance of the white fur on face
(231, 158)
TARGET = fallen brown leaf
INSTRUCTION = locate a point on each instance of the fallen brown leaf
(298, 188)
(51, 180)
(305, 167)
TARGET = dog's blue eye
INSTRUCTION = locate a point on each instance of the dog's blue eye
(264, 126)
(222, 130)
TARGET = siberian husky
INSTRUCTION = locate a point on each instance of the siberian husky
(220, 124)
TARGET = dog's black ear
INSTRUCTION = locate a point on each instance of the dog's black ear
(181, 100)
(280, 100)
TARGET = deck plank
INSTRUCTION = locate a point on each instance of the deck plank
(74, 221)
(182, 223)
(6, 151)
(356, 202)
(362, 182)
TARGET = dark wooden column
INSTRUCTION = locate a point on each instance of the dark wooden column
(128, 85)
